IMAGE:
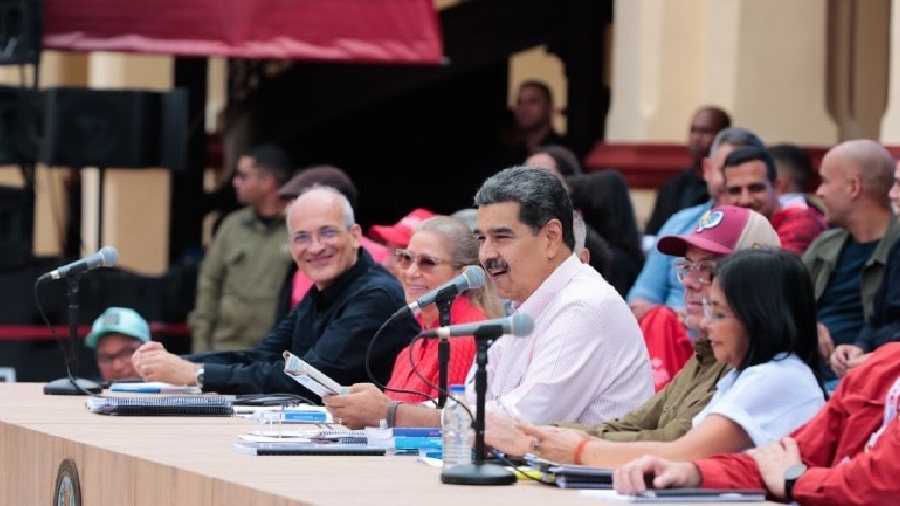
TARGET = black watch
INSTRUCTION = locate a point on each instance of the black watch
(199, 377)
(791, 475)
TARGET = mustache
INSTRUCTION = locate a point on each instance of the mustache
(495, 264)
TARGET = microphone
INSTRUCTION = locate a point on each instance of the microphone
(472, 277)
(106, 257)
(519, 324)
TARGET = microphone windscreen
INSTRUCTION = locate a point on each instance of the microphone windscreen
(109, 255)
(475, 276)
(522, 324)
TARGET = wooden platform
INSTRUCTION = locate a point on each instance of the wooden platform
(189, 461)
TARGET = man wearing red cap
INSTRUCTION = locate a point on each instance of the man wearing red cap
(667, 415)
(848, 453)
(397, 236)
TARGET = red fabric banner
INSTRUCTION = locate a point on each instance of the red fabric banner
(363, 31)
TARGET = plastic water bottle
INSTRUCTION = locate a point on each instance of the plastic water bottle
(456, 425)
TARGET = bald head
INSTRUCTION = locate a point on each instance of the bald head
(871, 162)
(706, 123)
(317, 197)
(855, 178)
(719, 117)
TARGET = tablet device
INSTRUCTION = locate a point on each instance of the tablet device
(695, 495)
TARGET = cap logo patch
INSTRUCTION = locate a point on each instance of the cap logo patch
(111, 318)
(710, 219)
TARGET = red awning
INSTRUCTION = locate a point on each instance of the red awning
(369, 31)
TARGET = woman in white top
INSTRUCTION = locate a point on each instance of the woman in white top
(761, 319)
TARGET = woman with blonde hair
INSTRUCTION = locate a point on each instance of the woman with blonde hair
(439, 249)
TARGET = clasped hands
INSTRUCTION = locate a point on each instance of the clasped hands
(846, 357)
(515, 437)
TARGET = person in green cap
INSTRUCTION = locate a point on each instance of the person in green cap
(115, 335)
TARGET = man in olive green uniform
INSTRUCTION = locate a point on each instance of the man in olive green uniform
(237, 289)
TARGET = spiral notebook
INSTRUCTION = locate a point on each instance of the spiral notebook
(302, 448)
(193, 405)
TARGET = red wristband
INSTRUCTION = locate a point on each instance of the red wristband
(579, 449)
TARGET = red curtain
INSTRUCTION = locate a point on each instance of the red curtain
(363, 31)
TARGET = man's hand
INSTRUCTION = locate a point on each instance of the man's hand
(553, 443)
(773, 460)
(631, 478)
(826, 344)
(154, 363)
(640, 307)
(845, 357)
(505, 434)
(364, 406)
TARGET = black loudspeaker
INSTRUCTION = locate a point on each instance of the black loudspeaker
(114, 128)
(173, 128)
(21, 113)
(15, 227)
(21, 31)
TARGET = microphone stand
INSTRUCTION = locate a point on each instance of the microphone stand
(443, 307)
(479, 472)
(72, 384)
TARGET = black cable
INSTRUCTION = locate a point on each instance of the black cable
(506, 462)
(415, 370)
(371, 376)
(68, 359)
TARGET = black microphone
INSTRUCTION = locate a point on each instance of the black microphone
(106, 257)
(472, 277)
(519, 324)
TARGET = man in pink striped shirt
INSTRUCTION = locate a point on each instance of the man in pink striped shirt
(585, 361)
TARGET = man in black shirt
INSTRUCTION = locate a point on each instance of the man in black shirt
(330, 328)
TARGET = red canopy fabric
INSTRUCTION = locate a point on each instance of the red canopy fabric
(373, 31)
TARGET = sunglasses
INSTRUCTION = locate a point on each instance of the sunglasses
(405, 258)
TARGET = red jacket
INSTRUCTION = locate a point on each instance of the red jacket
(798, 227)
(425, 357)
(667, 343)
(832, 444)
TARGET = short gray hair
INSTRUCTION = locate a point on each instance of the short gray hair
(736, 137)
(541, 196)
(580, 229)
(347, 209)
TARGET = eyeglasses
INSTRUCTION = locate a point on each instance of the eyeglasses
(709, 312)
(124, 354)
(326, 234)
(701, 271)
(405, 258)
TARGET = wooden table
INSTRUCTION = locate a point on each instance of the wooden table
(189, 461)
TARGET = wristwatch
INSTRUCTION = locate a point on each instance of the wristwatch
(791, 475)
(199, 377)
